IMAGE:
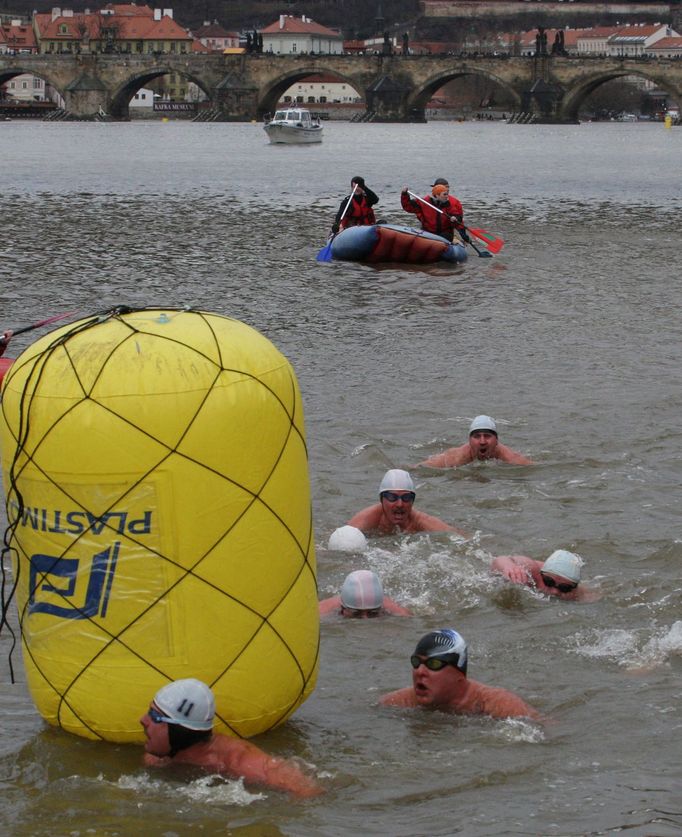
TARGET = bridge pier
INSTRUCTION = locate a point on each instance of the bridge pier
(86, 97)
(543, 99)
(387, 101)
(236, 100)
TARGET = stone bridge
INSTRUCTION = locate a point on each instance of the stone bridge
(396, 88)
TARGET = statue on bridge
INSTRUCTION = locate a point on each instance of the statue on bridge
(558, 47)
(387, 48)
(541, 41)
(406, 44)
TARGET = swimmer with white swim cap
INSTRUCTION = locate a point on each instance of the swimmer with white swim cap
(178, 728)
(483, 444)
(362, 597)
(558, 576)
(439, 681)
(395, 510)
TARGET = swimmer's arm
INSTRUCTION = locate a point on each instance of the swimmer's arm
(450, 458)
(394, 608)
(429, 523)
(500, 703)
(330, 605)
(155, 761)
(512, 457)
(256, 766)
(401, 697)
(368, 519)
(516, 568)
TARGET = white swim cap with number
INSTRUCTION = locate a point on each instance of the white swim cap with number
(189, 703)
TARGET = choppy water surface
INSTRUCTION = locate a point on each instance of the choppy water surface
(570, 338)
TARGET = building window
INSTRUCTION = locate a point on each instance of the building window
(293, 47)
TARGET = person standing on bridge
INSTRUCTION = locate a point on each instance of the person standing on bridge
(439, 213)
(355, 209)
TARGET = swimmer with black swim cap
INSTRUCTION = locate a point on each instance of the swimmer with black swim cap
(439, 681)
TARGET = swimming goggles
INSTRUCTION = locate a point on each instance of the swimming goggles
(392, 497)
(158, 718)
(562, 588)
(432, 663)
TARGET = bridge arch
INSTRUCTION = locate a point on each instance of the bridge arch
(275, 88)
(576, 95)
(8, 73)
(420, 97)
(124, 92)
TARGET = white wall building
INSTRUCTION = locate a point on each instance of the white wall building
(295, 35)
(321, 89)
(144, 98)
(632, 41)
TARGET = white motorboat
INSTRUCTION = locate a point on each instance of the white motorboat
(293, 125)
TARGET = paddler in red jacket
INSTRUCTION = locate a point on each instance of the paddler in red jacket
(356, 209)
(4, 340)
(440, 212)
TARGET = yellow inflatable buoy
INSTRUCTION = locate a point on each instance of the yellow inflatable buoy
(157, 492)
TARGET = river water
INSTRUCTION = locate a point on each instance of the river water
(569, 338)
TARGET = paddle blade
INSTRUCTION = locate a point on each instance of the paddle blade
(491, 241)
(325, 254)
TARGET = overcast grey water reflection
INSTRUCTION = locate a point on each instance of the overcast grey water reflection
(570, 338)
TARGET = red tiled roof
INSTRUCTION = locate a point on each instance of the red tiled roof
(637, 31)
(296, 26)
(214, 30)
(128, 27)
(667, 43)
(129, 9)
(18, 37)
(597, 32)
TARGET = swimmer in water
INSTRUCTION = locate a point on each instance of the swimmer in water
(483, 444)
(362, 597)
(439, 681)
(395, 510)
(178, 728)
(558, 576)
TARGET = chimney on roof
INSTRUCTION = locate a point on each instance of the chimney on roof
(168, 13)
(157, 14)
(56, 12)
(281, 21)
